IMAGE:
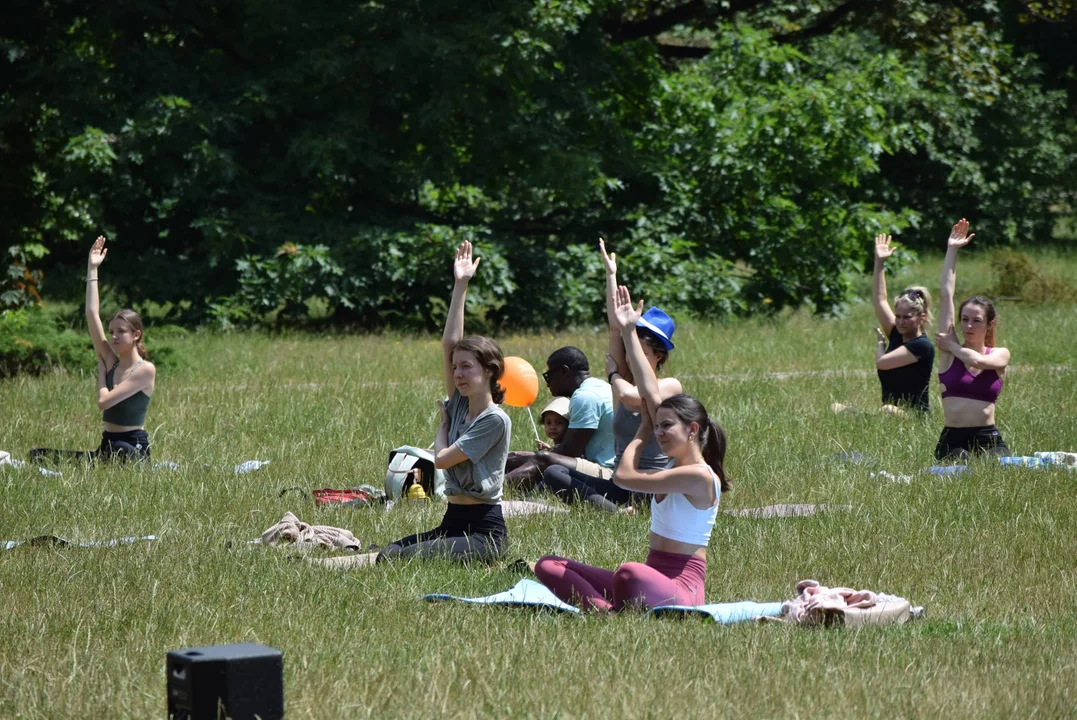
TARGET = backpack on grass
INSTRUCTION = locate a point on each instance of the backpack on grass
(408, 465)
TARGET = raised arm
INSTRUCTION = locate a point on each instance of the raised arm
(883, 312)
(93, 305)
(959, 238)
(616, 349)
(463, 270)
(646, 381)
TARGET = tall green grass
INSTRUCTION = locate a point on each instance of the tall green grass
(83, 633)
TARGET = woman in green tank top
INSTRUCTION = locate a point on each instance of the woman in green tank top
(125, 379)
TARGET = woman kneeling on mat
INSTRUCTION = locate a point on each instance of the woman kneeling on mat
(125, 379)
(683, 509)
(970, 373)
(472, 442)
(904, 354)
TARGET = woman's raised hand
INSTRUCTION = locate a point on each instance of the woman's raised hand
(959, 235)
(608, 259)
(464, 268)
(882, 246)
(626, 314)
(97, 252)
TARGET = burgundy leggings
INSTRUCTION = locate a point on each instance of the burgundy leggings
(665, 579)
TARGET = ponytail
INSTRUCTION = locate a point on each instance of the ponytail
(712, 440)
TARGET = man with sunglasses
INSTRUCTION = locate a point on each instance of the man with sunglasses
(587, 445)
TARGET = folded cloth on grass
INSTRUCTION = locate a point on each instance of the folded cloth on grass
(55, 541)
(816, 604)
(298, 533)
(530, 593)
(780, 511)
(523, 508)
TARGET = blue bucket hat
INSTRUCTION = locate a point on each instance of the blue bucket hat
(660, 324)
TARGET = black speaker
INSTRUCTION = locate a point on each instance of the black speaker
(244, 682)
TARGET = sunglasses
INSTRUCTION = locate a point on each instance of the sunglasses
(546, 377)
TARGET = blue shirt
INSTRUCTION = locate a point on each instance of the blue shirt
(591, 408)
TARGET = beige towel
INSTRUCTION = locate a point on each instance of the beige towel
(293, 530)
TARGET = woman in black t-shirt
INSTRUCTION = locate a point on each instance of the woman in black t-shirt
(904, 355)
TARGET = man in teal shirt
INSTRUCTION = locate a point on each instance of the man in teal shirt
(587, 445)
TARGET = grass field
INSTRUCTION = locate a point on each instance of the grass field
(83, 633)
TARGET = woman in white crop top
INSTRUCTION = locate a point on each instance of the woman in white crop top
(683, 510)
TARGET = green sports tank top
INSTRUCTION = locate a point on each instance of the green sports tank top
(130, 412)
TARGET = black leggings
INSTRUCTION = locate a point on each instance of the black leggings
(962, 442)
(467, 532)
(572, 486)
(122, 446)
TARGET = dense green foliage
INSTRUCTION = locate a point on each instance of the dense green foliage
(254, 160)
(33, 341)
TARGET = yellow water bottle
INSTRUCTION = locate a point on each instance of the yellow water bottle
(416, 492)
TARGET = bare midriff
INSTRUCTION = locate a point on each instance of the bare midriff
(112, 428)
(464, 500)
(965, 412)
(664, 544)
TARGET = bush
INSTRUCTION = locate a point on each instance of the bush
(1019, 279)
(34, 341)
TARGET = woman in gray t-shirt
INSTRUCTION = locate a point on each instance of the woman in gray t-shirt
(651, 334)
(472, 442)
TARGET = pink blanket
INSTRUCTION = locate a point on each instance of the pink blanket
(814, 602)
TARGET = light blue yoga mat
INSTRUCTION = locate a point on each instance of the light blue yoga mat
(526, 593)
(723, 613)
(530, 593)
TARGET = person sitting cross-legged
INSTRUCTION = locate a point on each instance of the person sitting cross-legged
(587, 445)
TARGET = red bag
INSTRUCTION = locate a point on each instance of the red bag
(327, 496)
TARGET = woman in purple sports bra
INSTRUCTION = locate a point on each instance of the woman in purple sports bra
(970, 373)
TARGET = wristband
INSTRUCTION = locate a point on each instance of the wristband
(609, 378)
(89, 280)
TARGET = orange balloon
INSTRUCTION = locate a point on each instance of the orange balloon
(520, 382)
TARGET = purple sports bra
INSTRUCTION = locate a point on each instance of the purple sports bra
(961, 383)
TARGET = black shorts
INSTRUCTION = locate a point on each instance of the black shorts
(133, 445)
(467, 533)
(962, 442)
